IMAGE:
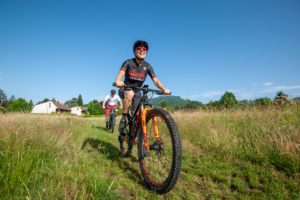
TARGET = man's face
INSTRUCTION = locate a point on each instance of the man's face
(140, 52)
(112, 94)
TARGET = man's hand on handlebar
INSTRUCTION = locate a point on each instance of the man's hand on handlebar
(119, 84)
(167, 91)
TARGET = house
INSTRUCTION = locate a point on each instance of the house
(50, 107)
(78, 110)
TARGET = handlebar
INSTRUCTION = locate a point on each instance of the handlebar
(144, 89)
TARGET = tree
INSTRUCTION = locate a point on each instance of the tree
(30, 103)
(98, 107)
(164, 104)
(53, 99)
(12, 98)
(228, 100)
(95, 101)
(177, 108)
(245, 102)
(280, 96)
(193, 105)
(80, 103)
(72, 103)
(19, 105)
(95, 109)
(91, 108)
(3, 98)
(265, 101)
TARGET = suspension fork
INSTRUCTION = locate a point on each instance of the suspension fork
(155, 128)
(144, 125)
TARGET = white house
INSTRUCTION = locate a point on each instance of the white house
(50, 107)
(78, 110)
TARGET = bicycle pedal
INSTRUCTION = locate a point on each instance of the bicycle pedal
(146, 153)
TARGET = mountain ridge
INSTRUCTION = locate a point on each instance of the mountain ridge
(173, 101)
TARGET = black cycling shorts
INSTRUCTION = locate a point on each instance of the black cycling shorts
(136, 99)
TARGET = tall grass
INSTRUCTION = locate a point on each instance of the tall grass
(29, 146)
(247, 153)
(263, 135)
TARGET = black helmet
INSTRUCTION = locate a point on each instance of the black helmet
(113, 91)
(140, 43)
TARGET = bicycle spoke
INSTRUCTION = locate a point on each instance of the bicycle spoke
(159, 162)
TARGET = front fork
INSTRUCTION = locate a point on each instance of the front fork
(144, 125)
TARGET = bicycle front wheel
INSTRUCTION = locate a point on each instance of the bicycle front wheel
(113, 120)
(160, 169)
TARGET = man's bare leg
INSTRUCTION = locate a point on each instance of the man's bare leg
(128, 96)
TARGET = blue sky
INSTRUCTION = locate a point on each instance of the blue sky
(198, 49)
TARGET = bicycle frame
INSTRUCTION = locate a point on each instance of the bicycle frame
(140, 116)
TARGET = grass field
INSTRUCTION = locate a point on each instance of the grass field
(231, 154)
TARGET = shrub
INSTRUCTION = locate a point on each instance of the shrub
(228, 100)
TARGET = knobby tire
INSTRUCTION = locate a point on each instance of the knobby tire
(113, 119)
(161, 170)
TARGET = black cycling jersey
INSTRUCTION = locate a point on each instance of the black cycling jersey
(135, 75)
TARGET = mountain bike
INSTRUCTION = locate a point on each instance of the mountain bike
(112, 120)
(156, 133)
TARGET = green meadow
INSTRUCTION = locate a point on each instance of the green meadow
(251, 153)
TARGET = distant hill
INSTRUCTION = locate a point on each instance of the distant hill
(173, 101)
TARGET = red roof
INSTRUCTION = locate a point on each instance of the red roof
(61, 106)
(82, 108)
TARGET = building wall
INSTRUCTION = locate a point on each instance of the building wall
(76, 110)
(44, 108)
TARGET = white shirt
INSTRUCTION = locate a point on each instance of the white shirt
(112, 101)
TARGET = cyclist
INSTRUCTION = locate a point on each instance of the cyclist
(112, 99)
(135, 71)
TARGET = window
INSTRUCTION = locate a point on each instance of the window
(49, 105)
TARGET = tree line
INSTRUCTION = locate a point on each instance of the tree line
(228, 100)
(15, 105)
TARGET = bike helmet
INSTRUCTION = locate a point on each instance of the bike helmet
(140, 43)
(113, 91)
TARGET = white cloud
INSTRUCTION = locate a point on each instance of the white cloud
(211, 94)
(193, 96)
(267, 84)
(279, 88)
(254, 84)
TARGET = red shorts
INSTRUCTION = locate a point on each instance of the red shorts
(109, 107)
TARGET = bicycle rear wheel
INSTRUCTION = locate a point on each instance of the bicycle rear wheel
(125, 148)
(162, 168)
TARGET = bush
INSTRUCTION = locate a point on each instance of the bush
(263, 101)
(228, 100)
(19, 105)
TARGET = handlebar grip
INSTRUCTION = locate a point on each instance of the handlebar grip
(114, 84)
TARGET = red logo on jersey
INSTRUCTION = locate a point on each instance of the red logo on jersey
(132, 73)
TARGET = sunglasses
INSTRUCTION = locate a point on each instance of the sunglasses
(141, 48)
